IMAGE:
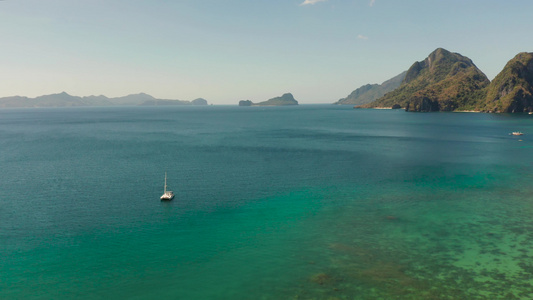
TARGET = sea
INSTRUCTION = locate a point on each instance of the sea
(300, 202)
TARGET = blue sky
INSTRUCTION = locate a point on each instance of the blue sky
(231, 50)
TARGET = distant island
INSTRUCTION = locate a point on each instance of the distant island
(285, 99)
(447, 81)
(65, 100)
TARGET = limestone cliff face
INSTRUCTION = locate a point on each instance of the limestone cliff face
(512, 89)
(444, 81)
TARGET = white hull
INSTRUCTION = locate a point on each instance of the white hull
(167, 196)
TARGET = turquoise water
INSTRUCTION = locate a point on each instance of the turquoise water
(307, 202)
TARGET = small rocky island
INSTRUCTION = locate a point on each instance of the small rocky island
(245, 103)
(285, 99)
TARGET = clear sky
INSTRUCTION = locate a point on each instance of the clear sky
(231, 50)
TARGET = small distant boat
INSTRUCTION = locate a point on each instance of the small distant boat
(516, 133)
(167, 195)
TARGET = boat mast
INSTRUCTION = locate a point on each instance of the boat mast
(165, 183)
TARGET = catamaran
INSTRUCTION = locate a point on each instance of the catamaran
(167, 195)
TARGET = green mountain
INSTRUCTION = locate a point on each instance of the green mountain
(512, 89)
(370, 92)
(286, 99)
(444, 81)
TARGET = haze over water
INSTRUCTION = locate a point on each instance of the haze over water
(305, 202)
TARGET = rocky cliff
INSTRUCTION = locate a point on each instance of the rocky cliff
(512, 89)
(444, 81)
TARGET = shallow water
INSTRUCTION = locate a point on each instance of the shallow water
(307, 202)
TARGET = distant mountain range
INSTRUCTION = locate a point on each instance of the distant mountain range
(447, 81)
(65, 100)
(444, 81)
(285, 99)
(370, 92)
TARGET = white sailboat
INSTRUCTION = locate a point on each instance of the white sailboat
(167, 195)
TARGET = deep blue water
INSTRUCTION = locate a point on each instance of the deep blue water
(306, 202)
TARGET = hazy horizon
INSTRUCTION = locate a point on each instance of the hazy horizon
(226, 51)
